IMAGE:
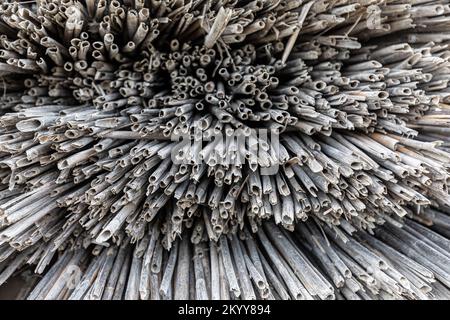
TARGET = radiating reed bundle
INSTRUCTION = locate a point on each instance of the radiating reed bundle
(174, 149)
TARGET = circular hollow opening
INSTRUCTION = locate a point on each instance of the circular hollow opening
(96, 54)
(223, 72)
(81, 64)
(270, 69)
(236, 77)
(120, 12)
(227, 118)
(97, 45)
(293, 90)
(71, 134)
(136, 159)
(205, 60)
(176, 219)
(84, 35)
(28, 125)
(271, 19)
(52, 8)
(174, 44)
(222, 104)
(319, 85)
(279, 46)
(260, 24)
(105, 235)
(178, 112)
(148, 77)
(439, 9)
(238, 37)
(212, 161)
(155, 267)
(279, 118)
(209, 87)
(183, 118)
(239, 28)
(115, 5)
(33, 92)
(356, 165)
(294, 100)
(406, 91)
(209, 99)
(353, 83)
(383, 95)
(29, 83)
(176, 55)
(331, 296)
(263, 96)
(68, 66)
(265, 76)
(108, 38)
(249, 88)
(266, 104)
(123, 91)
(251, 78)
(217, 229)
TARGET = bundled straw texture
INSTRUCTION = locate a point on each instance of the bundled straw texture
(225, 149)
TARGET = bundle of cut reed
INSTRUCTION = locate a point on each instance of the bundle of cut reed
(224, 149)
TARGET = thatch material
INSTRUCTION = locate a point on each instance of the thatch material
(354, 97)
